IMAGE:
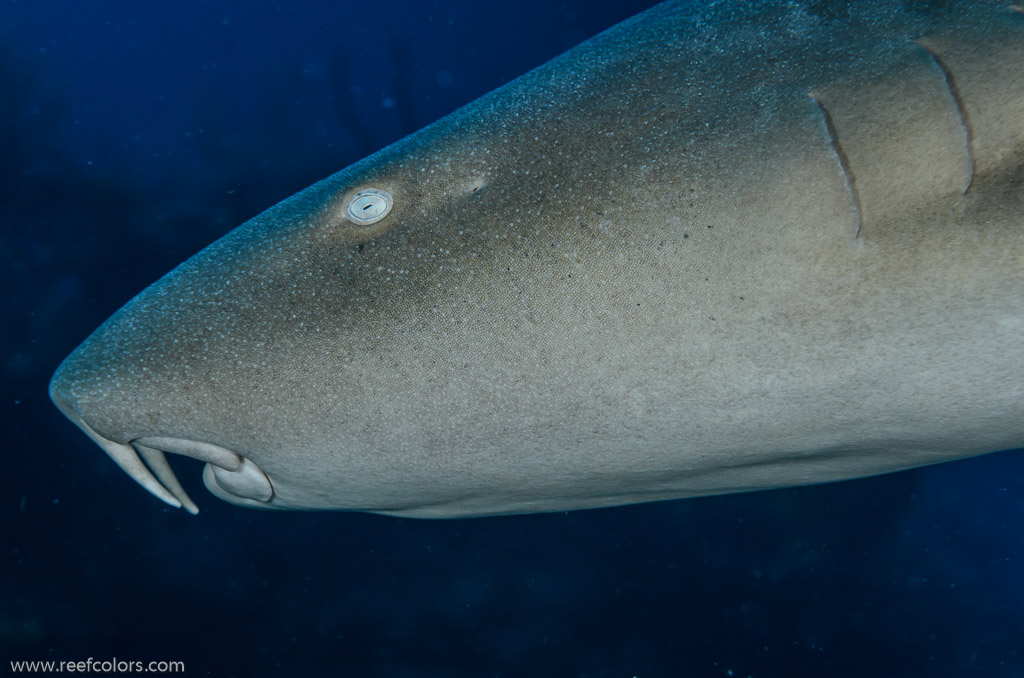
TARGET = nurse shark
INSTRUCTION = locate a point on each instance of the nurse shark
(721, 247)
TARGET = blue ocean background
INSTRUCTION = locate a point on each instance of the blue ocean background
(134, 133)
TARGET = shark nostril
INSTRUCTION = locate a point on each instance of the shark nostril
(127, 457)
(146, 467)
(231, 473)
(208, 452)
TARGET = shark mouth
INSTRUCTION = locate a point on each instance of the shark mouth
(228, 474)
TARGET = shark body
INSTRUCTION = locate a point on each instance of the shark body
(720, 247)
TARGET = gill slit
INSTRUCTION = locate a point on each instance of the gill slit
(844, 162)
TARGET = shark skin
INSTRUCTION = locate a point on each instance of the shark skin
(721, 247)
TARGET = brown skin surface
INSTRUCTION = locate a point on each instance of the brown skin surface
(649, 269)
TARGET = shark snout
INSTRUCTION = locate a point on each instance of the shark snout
(228, 474)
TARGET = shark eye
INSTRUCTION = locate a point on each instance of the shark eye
(368, 206)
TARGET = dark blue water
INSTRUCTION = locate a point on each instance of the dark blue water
(132, 134)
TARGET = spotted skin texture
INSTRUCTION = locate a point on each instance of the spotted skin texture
(718, 248)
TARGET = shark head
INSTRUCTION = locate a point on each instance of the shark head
(718, 248)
